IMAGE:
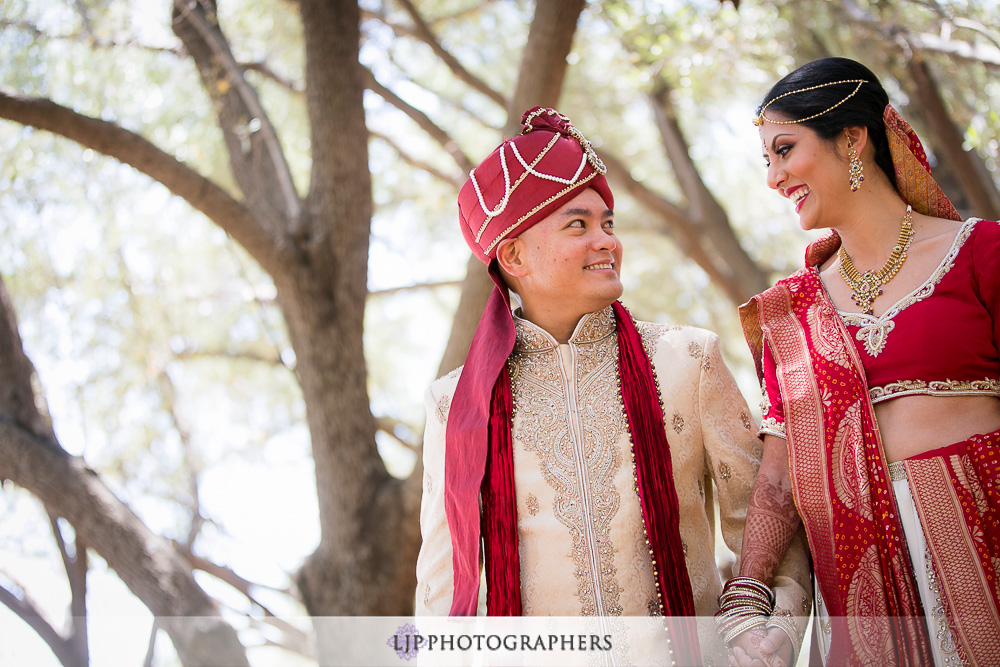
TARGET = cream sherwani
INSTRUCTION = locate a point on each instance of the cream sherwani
(580, 529)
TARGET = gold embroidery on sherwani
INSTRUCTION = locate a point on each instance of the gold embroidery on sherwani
(651, 333)
(574, 425)
(653, 607)
(531, 502)
(678, 423)
(443, 406)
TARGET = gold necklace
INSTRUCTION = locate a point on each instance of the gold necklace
(867, 286)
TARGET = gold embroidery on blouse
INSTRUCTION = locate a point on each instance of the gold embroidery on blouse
(747, 424)
(874, 331)
(765, 400)
(725, 471)
(770, 425)
(455, 373)
(694, 349)
(531, 502)
(574, 429)
(984, 387)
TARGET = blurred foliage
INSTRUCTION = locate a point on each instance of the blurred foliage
(158, 345)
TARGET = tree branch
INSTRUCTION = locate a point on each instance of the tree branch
(151, 645)
(976, 53)
(85, 37)
(132, 149)
(423, 32)
(261, 67)
(168, 398)
(226, 354)
(422, 120)
(708, 220)
(76, 573)
(972, 174)
(81, 9)
(244, 586)
(454, 181)
(255, 153)
(671, 218)
(406, 288)
(388, 426)
(29, 612)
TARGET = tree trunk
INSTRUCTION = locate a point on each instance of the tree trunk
(364, 564)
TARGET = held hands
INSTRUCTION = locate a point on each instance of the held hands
(758, 647)
(747, 623)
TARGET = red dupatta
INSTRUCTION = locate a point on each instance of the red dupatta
(840, 474)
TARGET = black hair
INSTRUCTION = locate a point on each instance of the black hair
(864, 108)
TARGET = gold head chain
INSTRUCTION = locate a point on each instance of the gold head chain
(759, 120)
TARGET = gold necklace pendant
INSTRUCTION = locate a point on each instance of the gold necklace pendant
(867, 286)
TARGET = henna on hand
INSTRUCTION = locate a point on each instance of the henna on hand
(772, 520)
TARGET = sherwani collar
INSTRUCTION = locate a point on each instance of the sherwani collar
(591, 328)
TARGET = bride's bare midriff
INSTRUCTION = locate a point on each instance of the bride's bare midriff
(912, 425)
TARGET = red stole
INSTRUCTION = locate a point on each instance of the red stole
(840, 477)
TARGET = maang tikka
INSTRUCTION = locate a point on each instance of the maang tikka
(857, 174)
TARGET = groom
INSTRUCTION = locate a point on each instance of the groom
(577, 445)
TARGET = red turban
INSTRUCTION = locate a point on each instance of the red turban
(522, 182)
(526, 179)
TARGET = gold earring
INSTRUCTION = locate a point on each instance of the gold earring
(857, 174)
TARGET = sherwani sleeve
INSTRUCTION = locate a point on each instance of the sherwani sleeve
(733, 454)
(435, 581)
